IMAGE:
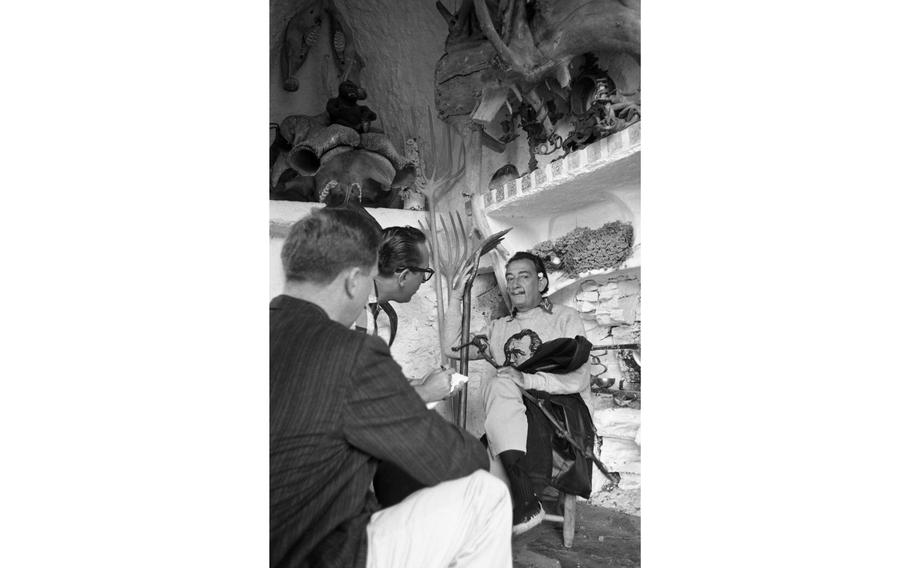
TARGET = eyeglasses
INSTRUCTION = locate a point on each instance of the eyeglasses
(427, 272)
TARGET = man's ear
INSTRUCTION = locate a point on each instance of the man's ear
(542, 283)
(402, 276)
(351, 280)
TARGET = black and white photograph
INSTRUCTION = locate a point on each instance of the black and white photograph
(425, 347)
(488, 154)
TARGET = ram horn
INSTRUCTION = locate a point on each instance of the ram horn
(305, 156)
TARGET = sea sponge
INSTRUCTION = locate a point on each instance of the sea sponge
(584, 249)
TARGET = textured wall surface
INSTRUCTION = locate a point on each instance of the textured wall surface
(610, 309)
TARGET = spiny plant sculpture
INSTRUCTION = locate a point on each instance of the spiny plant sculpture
(460, 249)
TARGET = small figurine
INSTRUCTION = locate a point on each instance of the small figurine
(344, 109)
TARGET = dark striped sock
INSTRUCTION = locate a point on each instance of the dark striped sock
(519, 482)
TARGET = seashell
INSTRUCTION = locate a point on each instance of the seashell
(339, 42)
(312, 36)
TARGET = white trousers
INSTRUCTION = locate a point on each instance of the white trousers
(466, 522)
(505, 421)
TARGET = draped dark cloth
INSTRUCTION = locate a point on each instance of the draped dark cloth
(550, 460)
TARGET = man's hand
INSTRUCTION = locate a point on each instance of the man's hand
(512, 373)
(435, 385)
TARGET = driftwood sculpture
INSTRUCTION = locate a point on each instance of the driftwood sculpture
(512, 64)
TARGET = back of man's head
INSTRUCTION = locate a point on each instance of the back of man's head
(400, 246)
(327, 241)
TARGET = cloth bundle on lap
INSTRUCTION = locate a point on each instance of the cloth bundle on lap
(550, 460)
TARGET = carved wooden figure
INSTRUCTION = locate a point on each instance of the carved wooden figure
(345, 110)
(301, 33)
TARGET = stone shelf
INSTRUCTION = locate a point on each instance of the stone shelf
(629, 268)
(573, 182)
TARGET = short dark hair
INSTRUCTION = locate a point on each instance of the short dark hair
(400, 247)
(327, 241)
(538, 265)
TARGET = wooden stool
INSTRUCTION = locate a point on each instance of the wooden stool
(567, 518)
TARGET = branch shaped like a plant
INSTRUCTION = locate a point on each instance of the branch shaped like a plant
(444, 156)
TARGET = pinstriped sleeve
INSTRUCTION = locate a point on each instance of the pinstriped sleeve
(385, 418)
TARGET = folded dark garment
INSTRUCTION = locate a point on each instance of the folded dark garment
(562, 355)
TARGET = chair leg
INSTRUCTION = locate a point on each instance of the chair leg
(568, 520)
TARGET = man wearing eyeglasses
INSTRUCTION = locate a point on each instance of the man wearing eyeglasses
(404, 260)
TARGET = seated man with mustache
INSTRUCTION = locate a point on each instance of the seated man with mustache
(512, 340)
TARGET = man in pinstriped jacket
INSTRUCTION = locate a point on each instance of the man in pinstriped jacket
(338, 404)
